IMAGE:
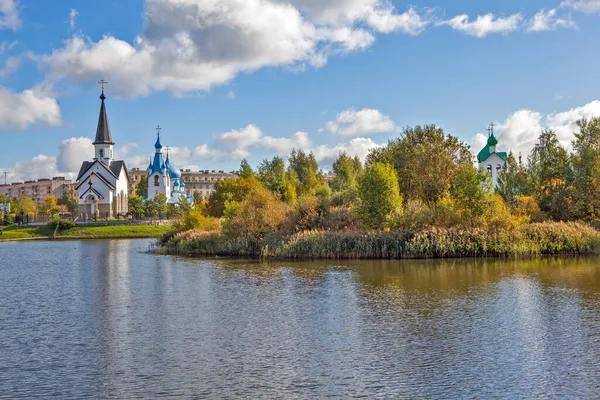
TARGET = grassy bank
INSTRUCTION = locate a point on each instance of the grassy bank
(525, 241)
(87, 232)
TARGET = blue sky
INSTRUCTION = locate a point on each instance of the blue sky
(228, 79)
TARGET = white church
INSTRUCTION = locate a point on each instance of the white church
(102, 182)
(491, 159)
(164, 178)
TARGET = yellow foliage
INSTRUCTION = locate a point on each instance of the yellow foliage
(528, 209)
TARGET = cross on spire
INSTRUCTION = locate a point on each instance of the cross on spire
(490, 129)
(167, 148)
(102, 83)
(158, 129)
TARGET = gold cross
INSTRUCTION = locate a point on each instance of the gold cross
(102, 82)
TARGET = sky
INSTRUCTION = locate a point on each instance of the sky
(234, 79)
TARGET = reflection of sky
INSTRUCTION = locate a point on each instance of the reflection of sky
(104, 319)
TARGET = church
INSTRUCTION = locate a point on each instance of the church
(164, 178)
(102, 182)
(490, 159)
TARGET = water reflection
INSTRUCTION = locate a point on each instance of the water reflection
(106, 320)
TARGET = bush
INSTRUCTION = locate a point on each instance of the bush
(63, 224)
(195, 219)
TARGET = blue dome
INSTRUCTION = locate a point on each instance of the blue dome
(182, 184)
(158, 144)
(174, 173)
(176, 183)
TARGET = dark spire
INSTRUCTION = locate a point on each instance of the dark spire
(103, 129)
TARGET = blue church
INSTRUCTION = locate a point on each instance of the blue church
(165, 178)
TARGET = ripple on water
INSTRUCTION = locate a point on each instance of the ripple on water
(106, 320)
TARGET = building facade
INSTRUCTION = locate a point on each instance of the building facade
(102, 183)
(40, 189)
(491, 159)
(204, 181)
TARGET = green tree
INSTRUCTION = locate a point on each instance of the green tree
(426, 159)
(67, 201)
(551, 176)
(304, 172)
(586, 152)
(198, 198)
(246, 170)
(347, 172)
(470, 190)
(142, 187)
(136, 205)
(379, 195)
(272, 175)
(513, 181)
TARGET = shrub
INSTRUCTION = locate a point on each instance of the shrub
(195, 219)
(63, 224)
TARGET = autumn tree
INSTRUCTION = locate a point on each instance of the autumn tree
(426, 160)
(379, 195)
(229, 190)
(25, 205)
(49, 205)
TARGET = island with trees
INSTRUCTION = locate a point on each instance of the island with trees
(419, 196)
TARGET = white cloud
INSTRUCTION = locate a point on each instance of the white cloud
(484, 25)
(237, 143)
(587, 6)
(191, 45)
(359, 123)
(20, 110)
(73, 14)
(73, 152)
(519, 133)
(9, 15)
(360, 147)
(548, 20)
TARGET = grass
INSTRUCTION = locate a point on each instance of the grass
(526, 241)
(87, 232)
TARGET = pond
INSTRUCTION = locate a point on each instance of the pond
(105, 319)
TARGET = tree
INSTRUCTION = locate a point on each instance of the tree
(25, 205)
(258, 215)
(272, 175)
(49, 205)
(230, 190)
(67, 201)
(551, 175)
(513, 181)
(379, 195)
(135, 205)
(585, 162)
(470, 190)
(197, 197)
(304, 172)
(142, 187)
(426, 159)
(347, 171)
(246, 170)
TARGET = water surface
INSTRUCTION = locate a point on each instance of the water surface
(103, 319)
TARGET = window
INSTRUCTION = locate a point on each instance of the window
(101, 153)
(156, 183)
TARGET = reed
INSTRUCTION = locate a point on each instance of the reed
(525, 241)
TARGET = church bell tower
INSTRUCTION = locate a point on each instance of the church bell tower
(103, 145)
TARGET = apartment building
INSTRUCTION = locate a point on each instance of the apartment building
(40, 189)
